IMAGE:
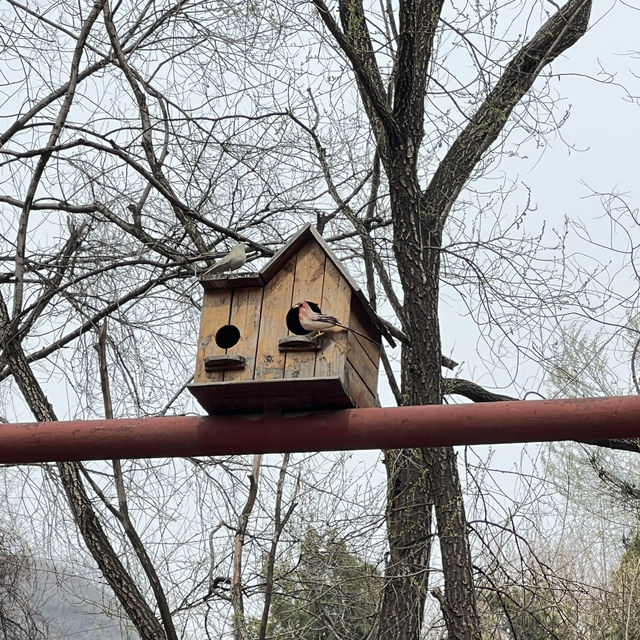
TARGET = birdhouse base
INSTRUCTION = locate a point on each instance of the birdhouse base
(291, 394)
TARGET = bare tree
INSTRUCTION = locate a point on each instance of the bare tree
(147, 137)
(419, 210)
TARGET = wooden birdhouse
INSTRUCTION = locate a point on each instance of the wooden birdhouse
(253, 354)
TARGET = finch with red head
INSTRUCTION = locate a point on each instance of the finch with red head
(320, 322)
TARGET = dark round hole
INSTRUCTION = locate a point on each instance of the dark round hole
(293, 323)
(227, 336)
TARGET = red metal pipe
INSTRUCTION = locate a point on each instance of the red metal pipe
(424, 426)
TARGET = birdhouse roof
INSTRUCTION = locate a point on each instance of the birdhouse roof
(280, 259)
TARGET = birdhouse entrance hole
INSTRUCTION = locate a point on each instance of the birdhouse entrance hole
(293, 321)
(301, 340)
(227, 336)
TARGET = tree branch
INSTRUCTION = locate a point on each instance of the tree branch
(417, 29)
(182, 214)
(62, 263)
(46, 154)
(559, 33)
(92, 321)
(237, 601)
(476, 393)
(122, 513)
(471, 390)
(279, 523)
(355, 41)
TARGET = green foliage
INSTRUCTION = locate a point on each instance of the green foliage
(329, 593)
(529, 612)
(622, 611)
(587, 365)
(601, 485)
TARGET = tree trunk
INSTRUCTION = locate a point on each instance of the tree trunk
(429, 477)
(458, 605)
(409, 535)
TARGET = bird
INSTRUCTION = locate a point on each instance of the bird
(320, 322)
(232, 261)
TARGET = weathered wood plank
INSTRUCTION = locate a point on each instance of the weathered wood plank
(358, 322)
(276, 301)
(359, 359)
(336, 296)
(309, 279)
(216, 308)
(287, 394)
(220, 281)
(358, 390)
(246, 308)
(299, 343)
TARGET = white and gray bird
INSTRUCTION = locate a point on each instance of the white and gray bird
(232, 261)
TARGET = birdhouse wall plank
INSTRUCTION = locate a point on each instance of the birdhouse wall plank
(359, 359)
(246, 308)
(336, 296)
(358, 391)
(308, 283)
(358, 322)
(216, 309)
(276, 301)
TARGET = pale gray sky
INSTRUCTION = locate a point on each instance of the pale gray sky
(596, 149)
